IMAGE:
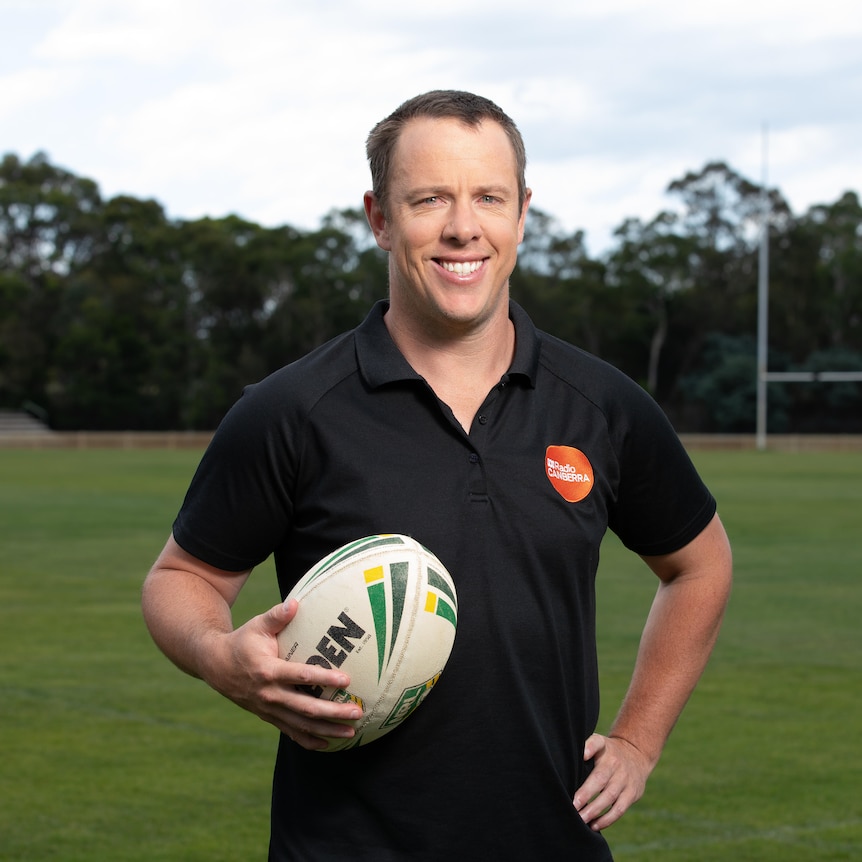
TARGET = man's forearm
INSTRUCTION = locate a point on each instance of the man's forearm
(678, 638)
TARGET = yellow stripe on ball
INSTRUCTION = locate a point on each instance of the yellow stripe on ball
(374, 575)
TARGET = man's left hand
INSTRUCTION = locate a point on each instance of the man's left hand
(618, 779)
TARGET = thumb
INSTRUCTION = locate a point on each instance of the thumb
(594, 744)
(277, 617)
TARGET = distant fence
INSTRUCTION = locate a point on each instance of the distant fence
(199, 440)
(775, 442)
(107, 440)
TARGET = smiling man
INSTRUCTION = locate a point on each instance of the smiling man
(451, 215)
(447, 416)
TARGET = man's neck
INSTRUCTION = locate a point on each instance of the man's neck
(461, 368)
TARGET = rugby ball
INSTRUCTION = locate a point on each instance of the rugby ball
(384, 610)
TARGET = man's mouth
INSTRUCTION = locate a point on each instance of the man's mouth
(461, 267)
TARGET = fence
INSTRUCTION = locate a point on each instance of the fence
(199, 440)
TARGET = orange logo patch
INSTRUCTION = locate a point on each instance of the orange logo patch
(569, 471)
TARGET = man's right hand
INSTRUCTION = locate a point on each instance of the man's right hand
(187, 607)
(245, 667)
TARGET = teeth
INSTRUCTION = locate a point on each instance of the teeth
(461, 268)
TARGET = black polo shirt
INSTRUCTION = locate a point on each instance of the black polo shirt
(350, 441)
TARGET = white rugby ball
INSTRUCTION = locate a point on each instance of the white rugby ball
(384, 610)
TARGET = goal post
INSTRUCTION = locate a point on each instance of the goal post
(813, 376)
(764, 375)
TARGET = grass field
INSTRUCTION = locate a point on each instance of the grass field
(109, 753)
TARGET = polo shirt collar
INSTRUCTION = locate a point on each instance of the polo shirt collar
(381, 362)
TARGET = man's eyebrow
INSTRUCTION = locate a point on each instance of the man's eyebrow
(426, 191)
(497, 189)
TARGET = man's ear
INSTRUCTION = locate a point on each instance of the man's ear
(376, 220)
(522, 221)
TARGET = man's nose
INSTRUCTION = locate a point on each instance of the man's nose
(463, 224)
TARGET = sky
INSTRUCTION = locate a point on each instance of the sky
(261, 108)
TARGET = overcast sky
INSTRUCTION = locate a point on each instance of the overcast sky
(261, 107)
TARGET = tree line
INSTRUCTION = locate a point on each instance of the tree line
(115, 316)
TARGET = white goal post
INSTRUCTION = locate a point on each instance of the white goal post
(765, 376)
(813, 376)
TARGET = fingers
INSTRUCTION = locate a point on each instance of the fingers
(287, 704)
(617, 781)
(314, 735)
(293, 698)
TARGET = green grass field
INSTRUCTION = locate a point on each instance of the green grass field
(109, 753)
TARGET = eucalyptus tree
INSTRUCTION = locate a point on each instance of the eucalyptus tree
(122, 358)
(562, 287)
(48, 218)
(723, 213)
(652, 265)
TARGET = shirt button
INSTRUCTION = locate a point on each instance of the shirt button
(474, 458)
(483, 419)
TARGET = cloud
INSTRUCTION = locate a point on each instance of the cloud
(262, 109)
(27, 90)
(149, 32)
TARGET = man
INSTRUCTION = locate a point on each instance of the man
(448, 417)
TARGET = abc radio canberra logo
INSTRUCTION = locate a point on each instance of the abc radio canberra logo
(569, 471)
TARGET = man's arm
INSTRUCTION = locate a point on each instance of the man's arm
(677, 640)
(186, 604)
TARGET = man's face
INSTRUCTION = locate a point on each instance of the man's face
(452, 226)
